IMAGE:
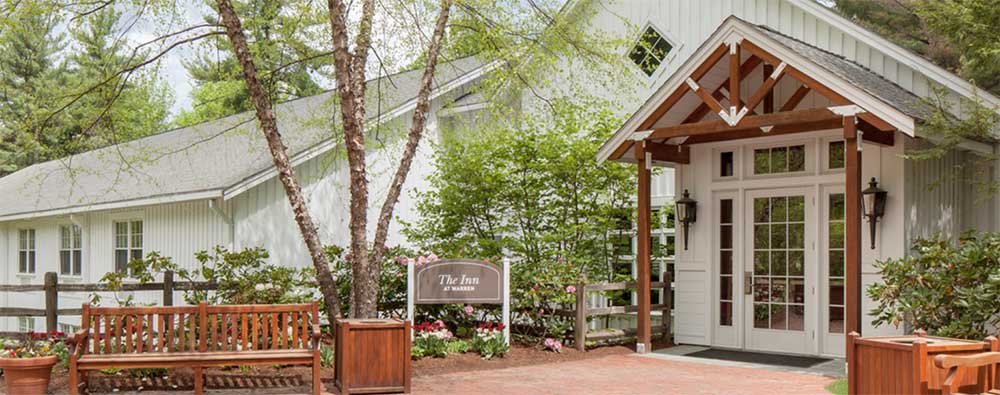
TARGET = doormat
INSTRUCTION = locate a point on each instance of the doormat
(760, 358)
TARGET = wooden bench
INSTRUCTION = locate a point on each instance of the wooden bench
(196, 337)
(989, 371)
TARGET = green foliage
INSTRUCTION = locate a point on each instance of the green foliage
(142, 270)
(459, 346)
(245, 277)
(897, 21)
(392, 280)
(838, 387)
(536, 192)
(972, 28)
(288, 42)
(489, 341)
(947, 288)
(326, 356)
(62, 97)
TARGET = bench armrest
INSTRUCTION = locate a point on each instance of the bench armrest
(317, 335)
(76, 339)
(945, 361)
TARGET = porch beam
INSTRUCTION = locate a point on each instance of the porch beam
(757, 132)
(769, 97)
(796, 98)
(748, 122)
(699, 72)
(643, 330)
(872, 134)
(830, 94)
(706, 97)
(852, 250)
(734, 77)
(767, 87)
(669, 153)
(699, 112)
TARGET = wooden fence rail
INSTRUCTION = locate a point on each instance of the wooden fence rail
(52, 288)
(581, 334)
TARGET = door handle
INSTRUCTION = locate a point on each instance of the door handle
(747, 283)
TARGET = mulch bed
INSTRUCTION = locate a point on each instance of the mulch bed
(269, 377)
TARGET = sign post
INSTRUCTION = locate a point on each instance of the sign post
(459, 281)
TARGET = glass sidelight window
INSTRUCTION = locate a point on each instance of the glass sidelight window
(779, 263)
(726, 262)
(776, 160)
(835, 259)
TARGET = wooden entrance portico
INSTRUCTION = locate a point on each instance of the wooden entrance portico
(727, 91)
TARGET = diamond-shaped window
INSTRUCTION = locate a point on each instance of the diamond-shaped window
(649, 51)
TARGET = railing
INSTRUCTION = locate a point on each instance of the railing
(52, 288)
(581, 333)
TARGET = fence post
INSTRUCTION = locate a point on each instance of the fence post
(51, 301)
(580, 328)
(168, 288)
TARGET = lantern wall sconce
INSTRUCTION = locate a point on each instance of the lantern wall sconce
(874, 205)
(687, 213)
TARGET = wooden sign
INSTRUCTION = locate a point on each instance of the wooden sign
(458, 281)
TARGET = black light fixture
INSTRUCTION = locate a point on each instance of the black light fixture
(687, 213)
(874, 205)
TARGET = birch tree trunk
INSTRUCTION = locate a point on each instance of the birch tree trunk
(351, 86)
(279, 153)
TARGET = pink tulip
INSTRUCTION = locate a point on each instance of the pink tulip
(570, 289)
(468, 309)
(433, 258)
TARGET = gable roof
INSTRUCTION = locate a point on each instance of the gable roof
(864, 88)
(215, 159)
(912, 60)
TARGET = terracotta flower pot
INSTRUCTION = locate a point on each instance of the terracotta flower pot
(28, 375)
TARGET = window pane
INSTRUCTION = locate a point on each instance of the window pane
(761, 261)
(761, 289)
(779, 209)
(726, 313)
(761, 317)
(726, 288)
(836, 235)
(796, 263)
(77, 262)
(761, 236)
(661, 49)
(64, 263)
(778, 263)
(779, 161)
(836, 320)
(121, 260)
(779, 235)
(796, 208)
(836, 160)
(761, 161)
(797, 158)
(836, 206)
(726, 164)
(837, 292)
(761, 210)
(726, 211)
(31, 261)
(726, 236)
(796, 235)
(726, 262)
(778, 319)
(136, 254)
(64, 237)
(836, 263)
(22, 262)
(779, 289)
(797, 290)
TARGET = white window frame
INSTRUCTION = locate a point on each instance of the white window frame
(824, 151)
(717, 163)
(71, 244)
(26, 251)
(674, 48)
(132, 245)
(809, 151)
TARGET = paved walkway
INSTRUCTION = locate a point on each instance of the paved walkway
(624, 374)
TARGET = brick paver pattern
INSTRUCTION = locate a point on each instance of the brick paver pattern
(623, 374)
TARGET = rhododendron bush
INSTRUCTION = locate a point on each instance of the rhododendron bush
(533, 192)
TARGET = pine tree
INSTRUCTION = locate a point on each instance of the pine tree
(283, 36)
(30, 77)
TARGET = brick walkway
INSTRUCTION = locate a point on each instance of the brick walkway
(623, 374)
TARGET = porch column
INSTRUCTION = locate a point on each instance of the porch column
(642, 255)
(852, 223)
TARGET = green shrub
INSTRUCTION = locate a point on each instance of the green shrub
(458, 346)
(326, 356)
(489, 341)
(946, 288)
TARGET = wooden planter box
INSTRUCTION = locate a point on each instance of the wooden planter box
(905, 364)
(372, 356)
